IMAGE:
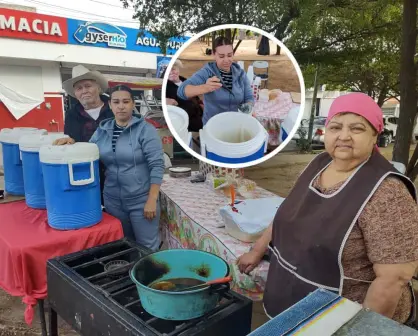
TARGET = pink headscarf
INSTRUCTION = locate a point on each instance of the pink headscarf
(360, 104)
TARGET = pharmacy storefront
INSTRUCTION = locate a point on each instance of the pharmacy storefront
(37, 53)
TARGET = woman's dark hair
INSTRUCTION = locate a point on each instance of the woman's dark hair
(122, 88)
(220, 41)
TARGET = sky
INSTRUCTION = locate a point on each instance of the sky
(110, 11)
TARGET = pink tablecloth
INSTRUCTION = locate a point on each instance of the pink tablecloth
(272, 113)
(190, 219)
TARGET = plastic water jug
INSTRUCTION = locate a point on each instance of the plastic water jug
(29, 146)
(250, 74)
(289, 123)
(180, 122)
(72, 185)
(232, 137)
(12, 163)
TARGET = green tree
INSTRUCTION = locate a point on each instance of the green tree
(312, 27)
(375, 71)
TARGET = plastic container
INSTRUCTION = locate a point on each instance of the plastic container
(263, 95)
(180, 121)
(29, 146)
(250, 218)
(289, 123)
(12, 163)
(250, 74)
(232, 137)
(255, 86)
(72, 185)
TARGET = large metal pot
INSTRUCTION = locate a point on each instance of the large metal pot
(179, 264)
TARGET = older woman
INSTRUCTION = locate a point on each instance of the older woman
(223, 84)
(191, 106)
(132, 153)
(349, 225)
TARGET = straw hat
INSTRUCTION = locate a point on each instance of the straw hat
(80, 73)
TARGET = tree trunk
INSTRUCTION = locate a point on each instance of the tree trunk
(383, 93)
(408, 104)
(228, 34)
(313, 108)
(412, 168)
(239, 42)
(233, 35)
(236, 47)
(213, 40)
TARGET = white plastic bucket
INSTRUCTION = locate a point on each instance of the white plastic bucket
(180, 121)
(232, 137)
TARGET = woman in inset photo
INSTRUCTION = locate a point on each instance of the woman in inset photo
(223, 83)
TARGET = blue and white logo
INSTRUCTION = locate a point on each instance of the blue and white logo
(99, 32)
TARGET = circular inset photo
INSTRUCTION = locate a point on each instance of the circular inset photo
(233, 96)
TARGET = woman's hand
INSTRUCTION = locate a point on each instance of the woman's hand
(248, 261)
(213, 84)
(150, 209)
(170, 101)
(63, 141)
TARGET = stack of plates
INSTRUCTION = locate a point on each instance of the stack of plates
(180, 172)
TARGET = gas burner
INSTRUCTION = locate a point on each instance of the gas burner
(94, 286)
(116, 268)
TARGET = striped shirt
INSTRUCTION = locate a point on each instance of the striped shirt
(226, 78)
(117, 130)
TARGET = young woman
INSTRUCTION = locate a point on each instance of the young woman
(132, 153)
(223, 83)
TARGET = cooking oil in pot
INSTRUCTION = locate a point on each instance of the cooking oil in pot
(171, 285)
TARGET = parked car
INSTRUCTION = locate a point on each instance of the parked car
(384, 139)
(318, 130)
(391, 125)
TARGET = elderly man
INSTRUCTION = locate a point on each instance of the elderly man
(83, 119)
(87, 87)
